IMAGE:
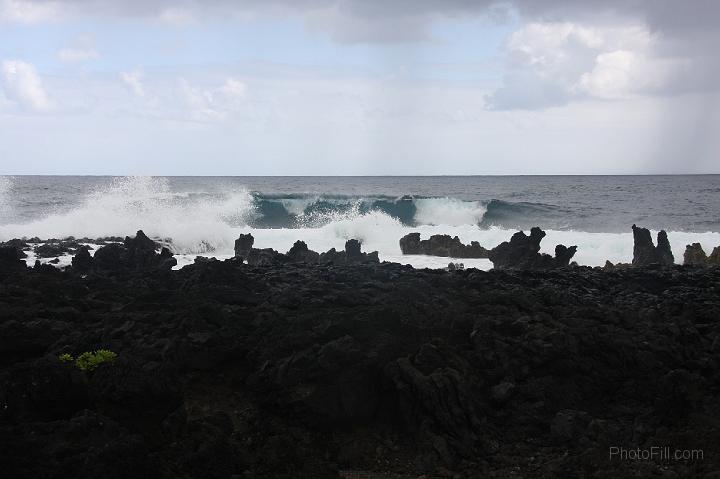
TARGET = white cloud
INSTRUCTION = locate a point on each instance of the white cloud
(77, 55)
(184, 99)
(133, 81)
(213, 103)
(23, 85)
(233, 88)
(552, 64)
(81, 50)
(621, 73)
(21, 11)
(178, 17)
(612, 75)
(200, 103)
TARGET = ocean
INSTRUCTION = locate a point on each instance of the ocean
(204, 215)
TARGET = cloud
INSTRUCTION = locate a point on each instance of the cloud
(133, 81)
(179, 99)
(233, 89)
(23, 86)
(670, 16)
(552, 64)
(211, 103)
(77, 55)
(564, 50)
(177, 16)
(82, 50)
(28, 12)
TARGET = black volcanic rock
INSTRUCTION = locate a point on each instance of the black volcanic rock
(643, 248)
(136, 394)
(410, 244)
(136, 253)
(20, 245)
(714, 258)
(523, 252)
(646, 253)
(441, 245)
(11, 258)
(311, 370)
(695, 255)
(54, 247)
(141, 250)
(352, 250)
(82, 261)
(299, 253)
(664, 252)
(563, 254)
(332, 256)
(352, 254)
(109, 257)
(243, 245)
(265, 257)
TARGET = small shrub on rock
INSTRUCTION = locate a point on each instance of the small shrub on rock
(90, 360)
(66, 358)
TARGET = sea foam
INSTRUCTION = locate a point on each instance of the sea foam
(448, 211)
(132, 203)
(202, 223)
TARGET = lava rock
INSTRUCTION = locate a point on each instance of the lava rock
(18, 244)
(299, 253)
(441, 245)
(352, 250)
(311, 370)
(54, 247)
(695, 255)
(265, 257)
(664, 252)
(11, 259)
(82, 261)
(44, 389)
(523, 252)
(714, 258)
(138, 253)
(646, 253)
(352, 254)
(138, 396)
(243, 245)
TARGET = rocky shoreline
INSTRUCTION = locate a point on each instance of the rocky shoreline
(293, 366)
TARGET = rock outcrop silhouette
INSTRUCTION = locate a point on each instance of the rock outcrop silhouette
(134, 253)
(300, 253)
(523, 252)
(695, 256)
(441, 245)
(646, 253)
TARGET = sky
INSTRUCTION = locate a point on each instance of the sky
(359, 87)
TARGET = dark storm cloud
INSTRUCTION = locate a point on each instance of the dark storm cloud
(668, 15)
(415, 16)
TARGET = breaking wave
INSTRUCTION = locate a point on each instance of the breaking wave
(203, 222)
(193, 222)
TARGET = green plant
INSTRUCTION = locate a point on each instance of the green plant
(66, 358)
(89, 360)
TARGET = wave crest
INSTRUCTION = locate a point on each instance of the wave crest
(191, 223)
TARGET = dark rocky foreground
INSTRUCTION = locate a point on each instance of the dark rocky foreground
(355, 370)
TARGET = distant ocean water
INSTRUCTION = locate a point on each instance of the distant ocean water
(204, 215)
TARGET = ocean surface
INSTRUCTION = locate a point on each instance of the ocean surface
(204, 215)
